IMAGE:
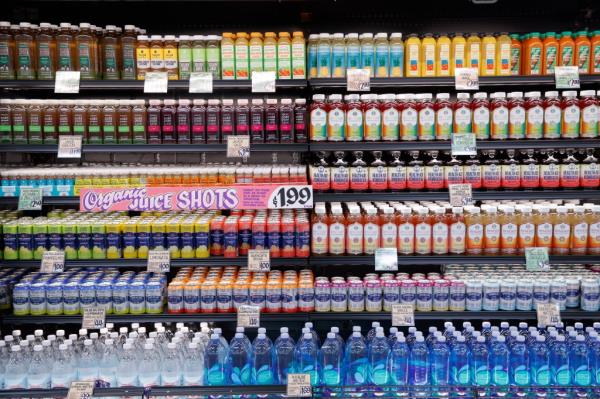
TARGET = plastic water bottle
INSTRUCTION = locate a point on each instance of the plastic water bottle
(63, 372)
(499, 361)
(310, 326)
(371, 333)
(170, 372)
(15, 374)
(284, 356)
(88, 363)
(127, 373)
(539, 362)
(419, 363)
(306, 355)
(392, 336)
(149, 368)
(215, 362)
(242, 330)
(440, 364)
(480, 362)
(379, 351)
(107, 366)
(399, 361)
(519, 363)
(263, 364)
(38, 376)
(410, 338)
(338, 337)
(239, 361)
(355, 359)
(193, 366)
(579, 360)
(430, 336)
(331, 360)
(460, 358)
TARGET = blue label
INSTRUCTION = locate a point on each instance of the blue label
(257, 299)
(353, 56)
(208, 299)
(202, 240)
(288, 239)
(41, 240)
(274, 239)
(191, 299)
(113, 240)
(231, 240)
(10, 241)
(25, 241)
(143, 240)
(175, 299)
(217, 237)
(474, 296)
(173, 240)
(187, 240)
(129, 239)
(158, 240)
(99, 240)
(259, 239)
(69, 240)
(153, 299)
(245, 237)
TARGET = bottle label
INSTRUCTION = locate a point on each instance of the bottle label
(526, 235)
(320, 178)
(397, 177)
(590, 175)
(340, 178)
(335, 125)
(354, 120)
(270, 57)
(284, 61)
(389, 235)
(373, 124)
(299, 60)
(409, 127)
(594, 236)
(490, 58)
(338, 61)
(589, 122)
(426, 124)
(505, 59)
(415, 177)
(359, 179)
(390, 124)
(143, 61)
(45, 66)
(535, 122)
(378, 178)
(569, 175)
(434, 177)
(443, 123)
(544, 234)
(571, 115)
(228, 61)
(580, 235)
(367, 58)
(481, 123)
(474, 55)
(423, 238)
(382, 57)
(429, 51)
(23, 59)
(371, 237)
(110, 61)
(413, 60)
(473, 175)
(475, 236)
(255, 53)
(509, 235)
(318, 125)
(530, 175)
(500, 123)
(406, 238)
(444, 60)
(462, 120)
(353, 56)
(511, 176)
(64, 57)
(453, 174)
(535, 60)
(241, 61)
(492, 176)
(562, 234)
(515, 60)
(458, 231)
(319, 238)
(83, 54)
(583, 58)
(337, 238)
(492, 235)
(549, 176)
(459, 55)
(550, 58)
(516, 123)
(396, 60)
(354, 238)
(440, 238)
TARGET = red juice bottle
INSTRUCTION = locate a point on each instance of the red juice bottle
(154, 132)
(242, 117)
(415, 173)
(534, 115)
(463, 121)
(271, 121)
(390, 117)
(286, 121)
(426, 117)
(473, 172)
(359, 173)
(354, 118)
(516, 116)
(318, 118)
(372, 117)
(550, 172)
(590, 172)
(552, 115)
(213, 121)
(340, 176)
(302, 236)
(492, 172)
(198, 116)
(336, 120)
(434, 172)
(409, 121)
(481, 116)
(227, 119)
(167, 122)
(257, 121)
(530, 172)
(511, 171)
(183, 122)
(443, 116)
(499, 118)
(288, 248)
(588, 104)
(301, 134)
(570, 115)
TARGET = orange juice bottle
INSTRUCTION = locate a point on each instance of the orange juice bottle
(491, 230)
(443, 55)
(474, 225)
(284, 56)
(242, 58)
(413, 56)
(354, 232)
(439, 231)
(550, 54)
(524, 51)
(372, 230)
(406, 232)
(488, 55)
(544, 227)
(595, 52)
(526, 228)
(473, 51)
(428, 56)
(566, 48)
(337, 231)
(516, 54)
(170, 56)
(389, 228)
(458, 231)
(422, 223)
(458, 53)
(579, 233)
(594, 232)
(582, 52)
(561, 239)
(508, 230)
(255, 52)
(503, 43)
(533, 55)
(228, 56)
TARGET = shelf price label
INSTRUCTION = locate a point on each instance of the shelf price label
(548, 314)
(94, 317)
(358, 80)
(81, 390)
(291, 197)
(159, 261)
(238, 146)
(69, 146)
(67, 82)
(466, 79)
(201, 82)
(259, 260)
(460, 194)
(464, 144)
(156, 82)
(263, 82)
(567, 77)
(537, 259)
(298, 385)
(30, 199)
(248, 316)
(386, 259)
(53, 262)
(403, 314)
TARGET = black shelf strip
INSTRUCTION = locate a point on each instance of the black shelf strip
(59, 201)
(151, 148)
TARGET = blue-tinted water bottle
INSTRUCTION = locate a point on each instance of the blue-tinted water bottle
(499, 359)
(399, 361)
(379, 351)
(480, 363)
(579, 360)
(284, 357)
(263, 361)
(419, 363)
(331, 361)
(306, 355)
(356, 360)
(539, 362)
(239, 361)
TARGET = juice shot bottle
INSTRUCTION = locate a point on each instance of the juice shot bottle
(443, 116)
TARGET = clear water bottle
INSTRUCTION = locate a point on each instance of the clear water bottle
(430, 336)
(109, 360)
(38, 376)
(15, 374)
(215, 362)
(239, 361)
(336, 331)
(284, 356)
(127, 373)
(379, 351)
(246, 339)
(316, 338)
(480, 363)
(356, 360)
(88, 363)
(193, 366)
(63, 372)
(419, 363)
(306, 355)
(170, 372)
(371, 333)
(399, 361)
(440, 365)
(331, 361)
(149, 372)
(519, 363)
(263, 365)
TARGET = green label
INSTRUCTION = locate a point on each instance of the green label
(551, 53)
(535, 60)
(4, 128)
(596, 60)
(108, 129)
(35, 128)
(94, 129)
(64, 57)
(78, 129)
(566, 56)
(123, 129)
(583, 59)
(5, 63)
(49, 129)
(30, 199)
(139, 129)
(64, 129)
(18, 128)
(515, 61)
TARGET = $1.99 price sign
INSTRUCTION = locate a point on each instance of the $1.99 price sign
(248, 316)
(298, 385)
(291, 197)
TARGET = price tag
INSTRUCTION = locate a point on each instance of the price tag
(263, 82)
(548, 314)
(298, 385)
(386, 259)
(567, 77)
(53, 262)
(81, 390)
(69, 146)
(248, 316)
(94, 317)
(460, 194)
(30, 199)
(156, 82)
(403, 314)
(291, 197)
(358, 80)
(201, 82)
(466, 79)
(238, 146)
(67, 82)
(464, 144)
(537, 259)
(159, 261)
(259, 260)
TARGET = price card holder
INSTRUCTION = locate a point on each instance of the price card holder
(537, 259)
(159, 261)
(67, 82)
(263, 82)
(298, 385)
(238, 146)
(460, 194)
(567, 77)
(358, 80)
(94, 317)
(403, 314)
(156, 82)
(69, 146)
(259, 260)
(466, 79)
(386, 259)
(248, 316)
(30, 199)
(201, 82)
(81, 390)
(548, 314)
(464, 144)
(53, 262)
(291, 197)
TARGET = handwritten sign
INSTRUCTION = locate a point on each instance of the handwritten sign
(466, 79)
(358, 80)
(67, 82)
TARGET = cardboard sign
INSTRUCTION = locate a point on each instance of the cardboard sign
(159, 261)
(263, 82)
(386, 259)
(238, 146)
(53, 262)
(94, 317)
(30, 199)
(537, 259)
(69, 146)
(464, 144)
(460, 194)
(403, 314)
(298, 385)
(248, 316)
(259, 260)
(567, 77)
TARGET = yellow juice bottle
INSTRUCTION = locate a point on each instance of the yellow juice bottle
(544, 227)
(270, 52)
(428, 58)
(413, 56)
(488, 56)
(526, 225)
(474, 224)
(503, 43)
(298, 56)
(173, 230)
(228, 56)
(241, 56)
(113, 237)
(187, 238)
(201, 232)
(284, 56)
(508, 230)
(458, 54)
(579, 234)
(562, 231)
(143, 230)
(129, 241)
(473, 51)
(443, 55)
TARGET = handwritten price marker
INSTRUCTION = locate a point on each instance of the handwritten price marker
(248, 316)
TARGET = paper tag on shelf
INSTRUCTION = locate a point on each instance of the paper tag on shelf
(298, 385)
(156, 82)
(81, 390)
(567, 77)
(201, 82)
(464, 144)
(53, 262)
(30, 199)
(67, 82)
(259, 260)
(548, 314)
(238, 146)
(291, 197)
(358, 80)
(69, 146)
(248, 316)
(386, 259)
(537, 259)
(460, 194)
(466, 79)
(94, 317)
(403, 314)
(263, 82)
(159, 261)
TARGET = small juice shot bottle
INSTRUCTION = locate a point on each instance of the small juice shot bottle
(287, 227)
(217, 231)
(580, 229)
(499, 116)
(302, 239)
(458, 232)
(423, 232)
(337, 232)
(230, 237)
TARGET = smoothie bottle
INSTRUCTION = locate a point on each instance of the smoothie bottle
(462, 114)
(588, 104)
(324, 56)
(336, 121)
(359, 173)
(157, 55)
(242, 64)
(481, 116)
(566, 48)
(534, 115)
(443, 116)
(390, 118)
(338, 56)
(409, 120)
(270, 52)
(582, 52)
(516, 115)
(354, 118)
(499, 118)
(552, 115)
(228, 56)
(142, 56)
(426, 117)
(550, 54)
(473, 51)
(170, 55)
(372, 117)
(318, 118)
(284, 56)
(515, 55)
(443, 55)
(382, 55)
(503, 44)
(571, 115)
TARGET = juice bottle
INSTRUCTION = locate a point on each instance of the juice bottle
(184, 56)
(340, 175)
(426, 116)
(561, 238)
(550, 53)
(481, 116)
(6, 121)
(530, 172)
(170, 57)
(255, 52)
(428, 56)
(434, 173)
(65, 117)
(198, 121)
(338, 56)
(473, 51)
(7, 49)
(372, 115)
(286, 121)
(242, 117)
(378, 173)
(580, 228)
(474, 227)
(582, 52)
(590, 171)
(142, 56)
(534, 115)
(85, 54)
(227, 120)
(550, 172)
(415, 173)
(359, 173)
(491, 229)
(124, 131)
(390, 117)
(19, 121)
(491, 172)
(257, 121)
(458, 54)
(457, 232)
(499, 118)
(443, 116)
(462, 114)
(594, 231)
(488, 57)
(353, 60)
(213, 121)
(336, 123)
(300, 120)
(508, 231)
(372, 230)
(128, 46)
(324, 56)
(396, 173)
(569, 171)
(422, 222)
(228, 56)
(318, 118)
(241, 56)
(34, 122)
(516, 115)
(543, 226)
(566, 47)
(153, 114)
(46, 54)
(397, 55)
(516, 51)
(320, 173)
(511, 171)
(571, 114)
(25, 52)
(111, 51)
(473, 172)
(354, 231)
(65, 47)
(389, 228)
(337, 231)
(409, 120)
(270, 52)
(198, 54)
(354, 118)
(503, 44)
(138, 121)
(157, 58)
(552, 115)
(109, 122)
(533, 60)
(213, 59)
(453, 172)
(183, 122)
(168, 122)
(284, 56)
(527, 228)
(311, 51)
(382, 55)
(271, 121)
(594, 52)
(93, 123)
(80, 119)
(588, 105)
(413, 56)
(406, 232)
(443, 55)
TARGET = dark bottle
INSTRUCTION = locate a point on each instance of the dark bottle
(242, 118)
(272, 121)
(167, 122)
(227, 119)
(199, 121)
(340, 175)
(286, 121)
(183, 122)
(213, 122)
(154, 132)
(300, 120)
(257, 121)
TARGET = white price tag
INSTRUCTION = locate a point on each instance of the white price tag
(238, 146)
(159, 261)
(466, 78)
(461, 194)
(567, 77)
(298, 385)
(53, 262)
(30, 199)
(67, 82)
(291, 197)
(464, 144)
(94, 317)
(248, 316)
(537, 259)
(201, 82)
(259, 260)
(358, 80)
(386, 259)
(263, 82)
(156, 82)
(403, 314)
(69, 146)
(548, 314)
(81, 390)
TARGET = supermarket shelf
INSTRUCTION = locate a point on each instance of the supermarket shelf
(13, 201)
(150, 148)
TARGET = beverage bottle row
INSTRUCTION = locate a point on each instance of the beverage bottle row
(490, 229)
(435, 170)
(410, 117)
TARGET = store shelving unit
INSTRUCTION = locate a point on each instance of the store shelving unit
(150, 148)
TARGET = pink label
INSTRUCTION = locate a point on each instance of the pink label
(271, 127)
(198, 129)
(212, 128)
(154, 129)
(300, 126)
(227, 128)
(183, 129)
(242, 127)
(285, 127)
(168, 129)
(257, 128)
